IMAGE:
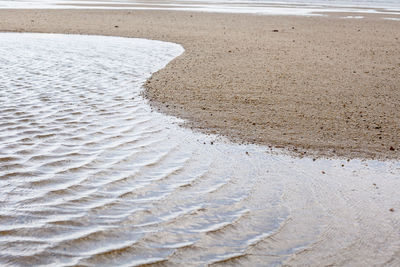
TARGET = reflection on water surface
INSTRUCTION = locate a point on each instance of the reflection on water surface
(91, 176)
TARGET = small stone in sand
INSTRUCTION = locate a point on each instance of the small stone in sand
(391, 209)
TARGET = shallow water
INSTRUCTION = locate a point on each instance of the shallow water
(262, 7)
(90, 175)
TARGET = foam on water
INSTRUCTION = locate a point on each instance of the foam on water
(90, 175)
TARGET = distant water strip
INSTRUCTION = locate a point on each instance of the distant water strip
(267, 7)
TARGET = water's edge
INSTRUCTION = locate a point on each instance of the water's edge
(90, 175)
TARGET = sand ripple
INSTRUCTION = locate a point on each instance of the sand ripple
(91, 176)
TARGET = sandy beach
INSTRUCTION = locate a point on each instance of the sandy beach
(319, 86)
(91, 175)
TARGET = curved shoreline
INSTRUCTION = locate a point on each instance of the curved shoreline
(318, 86)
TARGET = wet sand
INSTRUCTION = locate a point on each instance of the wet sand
(316, 86)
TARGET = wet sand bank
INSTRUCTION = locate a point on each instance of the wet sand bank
(319, 86)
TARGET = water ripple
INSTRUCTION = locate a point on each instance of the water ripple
(90, 176)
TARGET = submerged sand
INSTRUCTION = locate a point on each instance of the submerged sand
(316, 86)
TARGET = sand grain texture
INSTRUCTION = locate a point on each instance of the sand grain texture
(316, 86)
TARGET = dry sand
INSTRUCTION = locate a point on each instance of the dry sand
(316, 86)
